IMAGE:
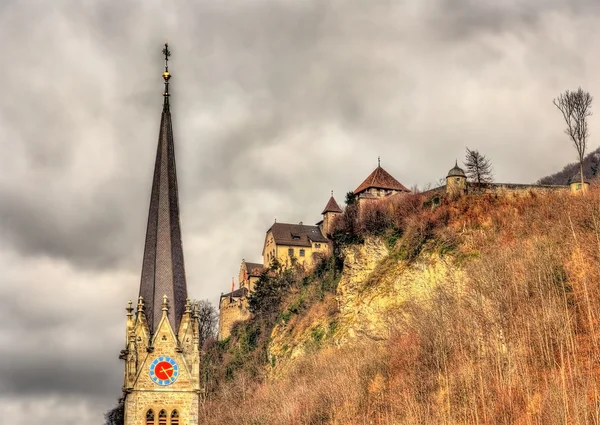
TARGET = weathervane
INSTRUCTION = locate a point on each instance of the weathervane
(166, 74)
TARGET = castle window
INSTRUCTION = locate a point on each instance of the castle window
(317, 245)
(174, 417)
(301, 253)
(150, 417)
(162, 417)
(291, 252)
(457, 179)
(578, 186)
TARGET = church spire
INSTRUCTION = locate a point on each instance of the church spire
(163, 271)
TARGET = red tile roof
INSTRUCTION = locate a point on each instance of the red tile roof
(254, 269)
(380, 179)
(332, 206)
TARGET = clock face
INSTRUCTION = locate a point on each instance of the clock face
(164, 370)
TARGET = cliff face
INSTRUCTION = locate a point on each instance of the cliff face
(368, 301)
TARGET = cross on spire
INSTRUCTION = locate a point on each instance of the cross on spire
(166, 74)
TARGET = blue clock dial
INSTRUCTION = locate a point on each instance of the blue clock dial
(164, 370)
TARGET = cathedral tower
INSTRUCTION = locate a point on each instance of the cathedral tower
(162, 355)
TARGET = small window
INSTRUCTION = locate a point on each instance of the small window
(162, 417)
(291, 252)
(174, 417)
(301, 253)
(578, 186)
(457, 179)
(317, 245)
(150, 417)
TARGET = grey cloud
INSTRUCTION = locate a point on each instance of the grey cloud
(275, 103)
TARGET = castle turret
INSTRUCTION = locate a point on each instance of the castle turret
(331, 210)
(576, 186)
(456, 181)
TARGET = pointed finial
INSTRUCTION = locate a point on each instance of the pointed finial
(188, 306)
(129, 308)
(140, 305)
(332, 193)
(166, 74)
(196, 309)
(456, 162)
(165, 303)
(379, 161)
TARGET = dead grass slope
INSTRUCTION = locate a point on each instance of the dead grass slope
(504, 332)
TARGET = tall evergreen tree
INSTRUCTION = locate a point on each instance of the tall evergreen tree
(478, 167)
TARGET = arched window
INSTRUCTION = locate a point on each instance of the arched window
(162, 417)
(174, 417)
(150, 417)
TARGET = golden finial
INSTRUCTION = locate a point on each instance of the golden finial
(166, 73)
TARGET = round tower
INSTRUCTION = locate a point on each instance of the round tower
(576, 186)
(456, 181)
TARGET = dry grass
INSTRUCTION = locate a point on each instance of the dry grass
(516, 343)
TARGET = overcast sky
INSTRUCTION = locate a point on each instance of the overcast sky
(275, 104)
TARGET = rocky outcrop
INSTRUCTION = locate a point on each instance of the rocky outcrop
(370, 296)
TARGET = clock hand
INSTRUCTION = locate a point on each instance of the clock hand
(165, 371)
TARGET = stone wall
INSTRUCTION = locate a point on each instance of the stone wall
(231, 310)
(142, 393)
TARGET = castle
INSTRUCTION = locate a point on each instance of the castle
(302, 244)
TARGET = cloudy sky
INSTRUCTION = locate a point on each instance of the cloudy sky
(275, 103)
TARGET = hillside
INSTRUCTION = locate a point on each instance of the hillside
(591, 165)
(483, 310)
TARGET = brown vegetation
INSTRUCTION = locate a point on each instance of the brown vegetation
(515, 342)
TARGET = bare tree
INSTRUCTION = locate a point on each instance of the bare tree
(478, 167)
(575, 107)
(116, 416)
(208, 320)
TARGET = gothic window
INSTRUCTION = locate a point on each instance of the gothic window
(162, 417)
(150, 417)
(174, 417)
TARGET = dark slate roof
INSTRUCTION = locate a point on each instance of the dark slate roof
(332, 206)
(162, 268)
(238, 293)
(576, 178)
(456, 171)
(380, 179)
(254, 269)
(296, 234)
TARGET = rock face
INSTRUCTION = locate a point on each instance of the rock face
(370, 297)
(361, 294)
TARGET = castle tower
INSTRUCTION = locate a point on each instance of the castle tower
(379, 184)
(576, 186)
(162, 356)
(331, 210)
(456, 181)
